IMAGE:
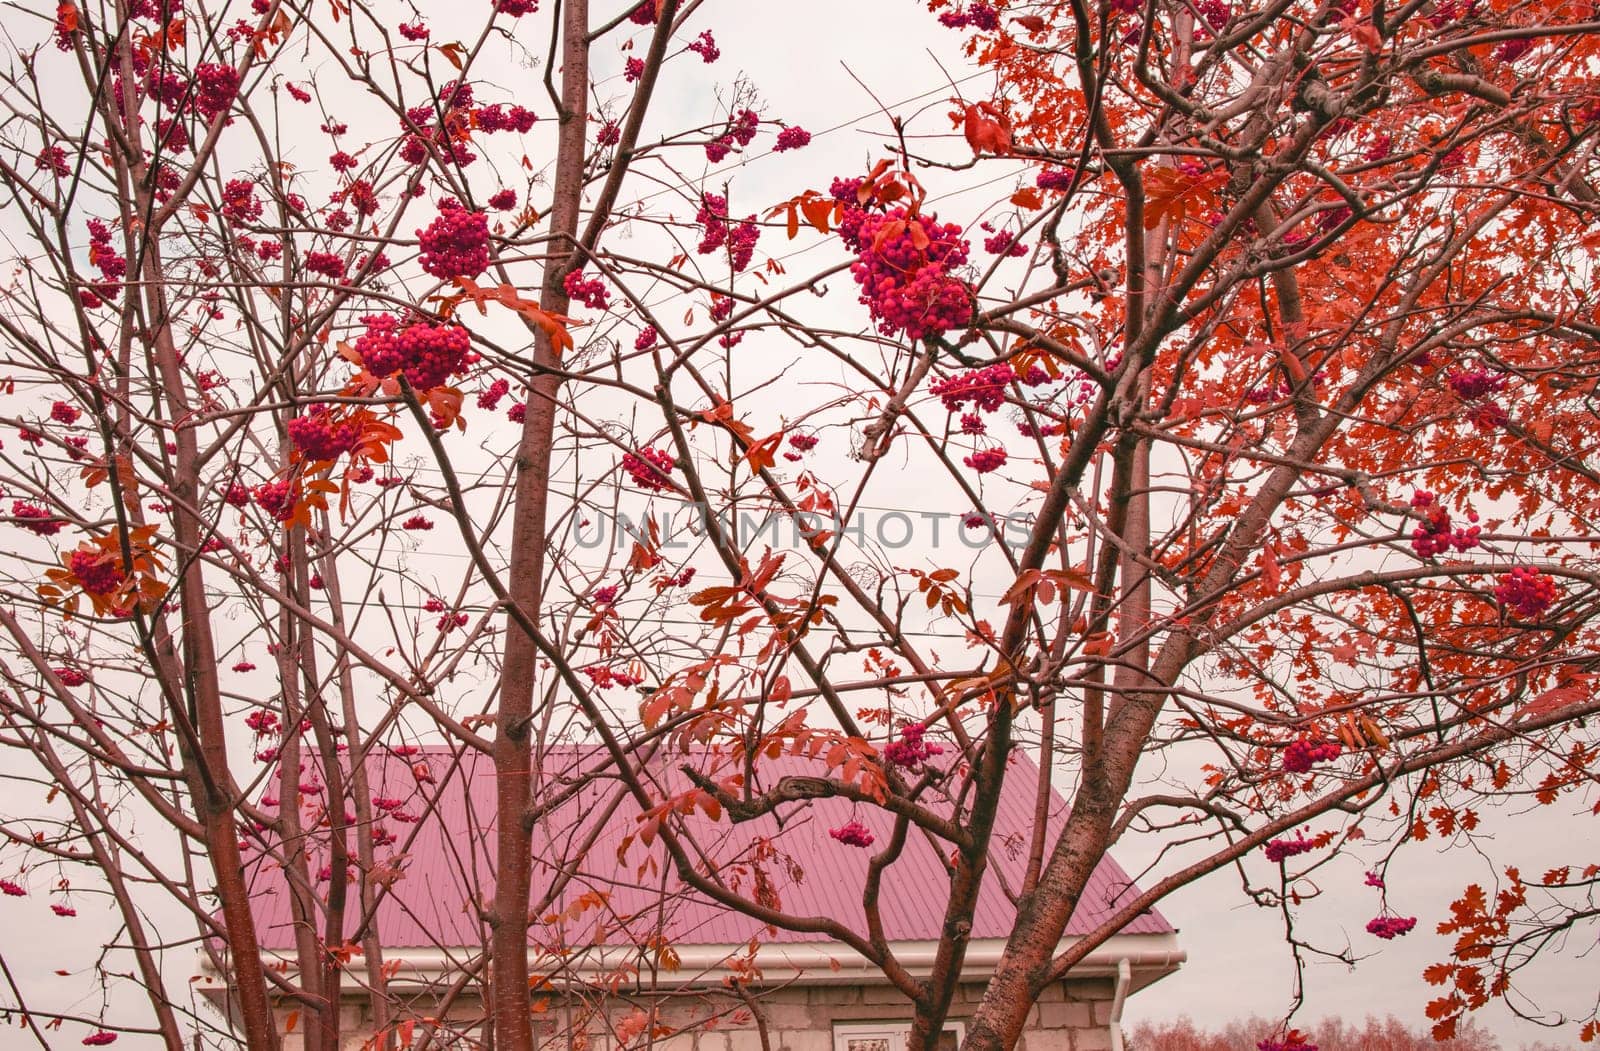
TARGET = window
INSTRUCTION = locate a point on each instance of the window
(890, 1036)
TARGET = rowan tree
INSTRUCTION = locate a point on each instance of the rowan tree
(1256, 405)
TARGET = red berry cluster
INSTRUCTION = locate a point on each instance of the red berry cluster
(325, 263)
(12, 890)
(62, 412)
(646, 338)
(903, 269)
(450, 622)
(516, 8)
(911, 750)
(1437, 534)
(503, 200)
(111, 264)
(52, 159)
(650, 469)
(632, 70)
(604, 596)
(792, 139)
(985, 460)
(361, 196)
(98, 572)
(319, 435)
(35, 518)
(262, 721)
(705, 46)
(590, 291)
(500, 118)
(217, 84)
(644, 14)
(1390, 927)
(1215, 12)
(1301, 755)
(70, 676)
(490, 396)
(426, 354)
(852, 834)
(1279, 849)
(1526, 592)
(236, 495)
(413, 31)
(604, 678)
(1292, 1041)
(456, 244)
(276, 499)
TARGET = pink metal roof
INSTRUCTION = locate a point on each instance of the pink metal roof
(447, 860)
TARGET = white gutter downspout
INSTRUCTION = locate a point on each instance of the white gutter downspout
(1118, 998)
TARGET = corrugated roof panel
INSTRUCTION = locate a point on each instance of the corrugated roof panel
(446, 853)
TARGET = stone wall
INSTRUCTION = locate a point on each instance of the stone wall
(1070, 1016)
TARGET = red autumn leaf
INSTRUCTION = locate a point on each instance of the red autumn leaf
(987, 129)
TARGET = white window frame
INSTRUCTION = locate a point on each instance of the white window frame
(893, 1032)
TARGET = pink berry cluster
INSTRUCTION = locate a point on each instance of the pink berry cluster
(503, 200)
(852, 834)
(1003, 243)
(263, 722)
(489, 397)
(904, 270)
(1279, 849)
(516, 8)
(98, 573)
(1214, 12)
(1438, 534)
(456, 243)
(985, 388)
(645, 14)
(239, 202)
(1390, 927)
(977, 15)
(426, 354)
(52, 159)
(11, 889)
(413, 31)
(70, 677)
(793, 138)
(985, 460)
(503, 118)
(911, 750)
(646, 339)
(740, 131)
(1301, 755)
(446, 134)
(35, 518)
(1526, 592)
(319, 435)
(739, 241)
(590, 291)
(650, 469)
(99, 1038)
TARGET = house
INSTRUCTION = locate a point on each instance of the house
(628, 954)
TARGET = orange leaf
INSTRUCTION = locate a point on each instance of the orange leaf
(987, 129)
(1028, 198)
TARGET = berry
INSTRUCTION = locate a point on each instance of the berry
(413, 30)
(276, 499)
(633, 69)
(516, 8)
(590, 291)
(852, 834)
(216, 86)
(986, 460)
(646, 338)
(320, 436)
(63, 910)
(706, 47)
(503, 201)
(12, 890)
(792, 139)
(236, 495)
(424, 353)
(35, 518)
(456, 244)
(910, 751)
(62, 412)
(1279, 849)
(1526, 592)
(97, 572)
(645, 14)
(70, 677)
(1054, 179)
(909, 288)
(325, 263)
(1390, 927)
(1292, 1041)
(490, 397)
(1302, 754)
(650, 469)
(417, 523)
